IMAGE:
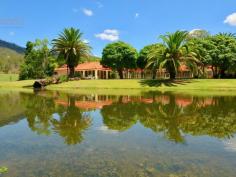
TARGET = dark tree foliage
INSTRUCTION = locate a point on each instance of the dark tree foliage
(38, 62)
(119, 56)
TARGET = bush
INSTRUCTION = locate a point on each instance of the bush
(63, 78)
(113, 75)
(77, 74)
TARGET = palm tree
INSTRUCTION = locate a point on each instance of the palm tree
(71, 47)
(154, 57)
(174, 52)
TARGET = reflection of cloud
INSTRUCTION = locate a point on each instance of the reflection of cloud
(230, 145)
(105, 129)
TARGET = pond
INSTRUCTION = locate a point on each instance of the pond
(61, 134)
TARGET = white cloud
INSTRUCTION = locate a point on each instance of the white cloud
(75, 10)
(12, 33)
(136, 15)
(231, 19)
(86, 41)
(108, 34)
(88, 12)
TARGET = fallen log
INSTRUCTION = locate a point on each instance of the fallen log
(39, 84)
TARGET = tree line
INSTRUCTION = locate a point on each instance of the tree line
(198, 50)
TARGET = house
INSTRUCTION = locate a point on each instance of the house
(88, 70)
(94, 70)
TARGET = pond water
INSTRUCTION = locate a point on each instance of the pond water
(61, 134)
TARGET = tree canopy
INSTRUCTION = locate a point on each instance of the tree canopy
(38, 61)
(119, 56)
(70, 46)
(218, 52)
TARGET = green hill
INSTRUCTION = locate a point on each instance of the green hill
(11, 57)
(12, 46)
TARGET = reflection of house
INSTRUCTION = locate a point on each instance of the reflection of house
(86, 105)
(97, 71)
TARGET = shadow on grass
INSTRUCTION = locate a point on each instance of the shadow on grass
(28, 86)
(168, 83)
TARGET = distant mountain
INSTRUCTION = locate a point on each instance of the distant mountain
(11, 57)
(12, 46)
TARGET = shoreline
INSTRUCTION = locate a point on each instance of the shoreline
(134, 87)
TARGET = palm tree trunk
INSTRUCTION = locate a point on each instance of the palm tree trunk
(154, 74)
(72, 71)
(172, 75)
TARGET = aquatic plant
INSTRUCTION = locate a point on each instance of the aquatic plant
(3, 170)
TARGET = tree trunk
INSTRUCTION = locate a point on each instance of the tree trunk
(154, 74)
(72, 71)
(120, 71)
(171, 69)
(222, 73)
(172, 75)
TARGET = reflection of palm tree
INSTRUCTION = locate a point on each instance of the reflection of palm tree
(164, 118)
(119, 116)
(71, 124)
(38, 112)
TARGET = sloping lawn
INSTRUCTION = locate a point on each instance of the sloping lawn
(16, 84)
(188, 84)
(192, 84)
(9, 77)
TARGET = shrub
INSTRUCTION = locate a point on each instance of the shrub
(77, 74)
(63, 78)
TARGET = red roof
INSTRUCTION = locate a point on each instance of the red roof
(91, 66)
(87, 66)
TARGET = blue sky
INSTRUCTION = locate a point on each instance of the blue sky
(138, 22)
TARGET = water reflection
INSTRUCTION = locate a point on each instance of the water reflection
(44, 116)
(172, 115)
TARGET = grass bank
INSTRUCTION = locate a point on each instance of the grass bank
(161, 85)
(16, 84)
(8, 77)
(189, 84)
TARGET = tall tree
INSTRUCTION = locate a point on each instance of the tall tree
(174, 53)
(223, 53)
(71, 47)
(144, 55)
(38, 61)
(119, 56)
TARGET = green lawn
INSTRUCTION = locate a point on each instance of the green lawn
(191, 84)
(9, 77)
(178, 85)
(16, 84)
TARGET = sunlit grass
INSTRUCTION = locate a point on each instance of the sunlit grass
(16, 84)
(9, 77)
(191, 84)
